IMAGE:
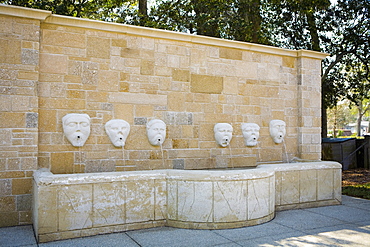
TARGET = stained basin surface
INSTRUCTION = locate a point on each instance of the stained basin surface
(76, 205)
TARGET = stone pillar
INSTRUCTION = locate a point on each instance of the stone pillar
(309, 104)
(19, 65)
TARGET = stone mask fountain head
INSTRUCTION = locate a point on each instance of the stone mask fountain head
(76, 128)
(277, 130)
(117, 130)
(223, 134)
(250, 133)
(156, 132)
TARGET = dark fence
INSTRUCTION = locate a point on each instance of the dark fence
(350, 152)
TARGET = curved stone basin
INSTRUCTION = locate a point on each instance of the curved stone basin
(76, 205)
(218, 199)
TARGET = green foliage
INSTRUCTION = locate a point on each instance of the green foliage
(93, 9)
(340, 115)
(362, 190)
(340, 132)
(297, 24)
(346, 71)
(238, 20)
(177, 15)
(248, 22)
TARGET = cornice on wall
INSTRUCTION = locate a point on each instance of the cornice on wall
(47, 17)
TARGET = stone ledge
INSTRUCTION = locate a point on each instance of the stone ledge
(49, 18)
(303, 166)
(312, 54)
(24, 12)
(46, 178)
(219, 175)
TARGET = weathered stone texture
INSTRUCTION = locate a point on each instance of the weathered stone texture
(206, 84)
(19, 60)
(55, 66)
(98, 47)
(231, 53)
(67, 205)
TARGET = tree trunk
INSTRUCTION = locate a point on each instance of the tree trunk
(249, 11)
(256, 13)
(324, 123)
(315, 42)
(200, 22)
(324, 116)
(335, 123)
(143, 11)
(359, 118)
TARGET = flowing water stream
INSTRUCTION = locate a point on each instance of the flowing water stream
(285, 151)
(123, 156)
(162, 154)
(230, 155)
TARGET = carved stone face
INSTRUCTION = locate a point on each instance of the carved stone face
(250, 133)
(156, 131)
(223, 134)
(277, 130)
(76, 128)
(117, 130)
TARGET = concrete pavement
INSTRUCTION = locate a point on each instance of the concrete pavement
(343, 225)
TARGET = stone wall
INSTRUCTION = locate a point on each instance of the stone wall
(19, 73)
(54, 65)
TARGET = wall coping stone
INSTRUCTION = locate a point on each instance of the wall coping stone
(23, 12)
(303, 166)
(47, 17)
(45, 178)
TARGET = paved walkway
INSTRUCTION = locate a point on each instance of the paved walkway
(344, 225)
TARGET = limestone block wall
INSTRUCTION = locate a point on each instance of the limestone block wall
(137, 74)
(54, 65)
(19, 73)
(309, 108)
